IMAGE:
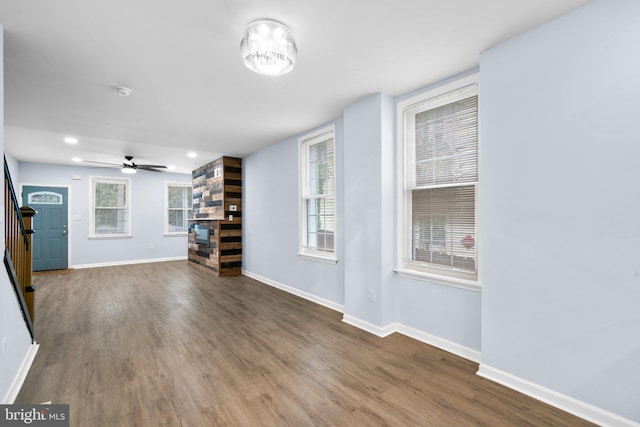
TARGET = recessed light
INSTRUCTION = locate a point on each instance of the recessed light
(192, 154)
(76, 159)
(71, 140)
(171, 167)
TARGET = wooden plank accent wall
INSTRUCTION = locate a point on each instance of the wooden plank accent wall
(213, 197)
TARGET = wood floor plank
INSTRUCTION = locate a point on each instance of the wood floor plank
(169, 344)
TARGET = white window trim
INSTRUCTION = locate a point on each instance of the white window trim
(168, 184)
(303, 251)
(434, 97)
(92, 210)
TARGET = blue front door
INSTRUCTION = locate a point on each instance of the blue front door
(51, 237)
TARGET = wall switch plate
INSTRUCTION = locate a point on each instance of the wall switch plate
(372, 295)
(230, 217)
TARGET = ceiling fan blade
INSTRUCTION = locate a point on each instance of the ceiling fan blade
(102, 163)
(152, 168)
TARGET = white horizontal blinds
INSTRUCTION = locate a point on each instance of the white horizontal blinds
(442, 174)
(443, 230)
(320, 223)
(447, 144)
(320, 200)
(321, 167)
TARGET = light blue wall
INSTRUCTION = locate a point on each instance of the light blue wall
(12, 326)
(560, 205)
(270, 221)
(147, 222)
(363, 209)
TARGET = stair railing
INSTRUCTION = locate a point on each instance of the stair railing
(17, 256)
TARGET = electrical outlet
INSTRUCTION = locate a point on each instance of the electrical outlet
(233, 208)
(372, 295)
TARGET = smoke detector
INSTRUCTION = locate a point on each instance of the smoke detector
(123, 91)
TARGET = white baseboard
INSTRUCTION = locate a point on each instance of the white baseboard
(441, 343)
(418, 335)
(380, 331)
(129, 262)
(561, 401)
(302, 294)
(21, 375)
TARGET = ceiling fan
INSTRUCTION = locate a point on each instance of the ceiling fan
(129, 166)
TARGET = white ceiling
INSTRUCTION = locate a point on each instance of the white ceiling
(191, 91)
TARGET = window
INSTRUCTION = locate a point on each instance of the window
(438, 131)
(317, 195)
(110, 207)
(179, 207)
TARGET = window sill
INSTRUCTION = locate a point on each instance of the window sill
(321, 258)
(111, 237)
(182, 234)
(470, 285)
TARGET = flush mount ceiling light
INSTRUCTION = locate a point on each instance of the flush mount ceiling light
(268, 48)
(71, 140)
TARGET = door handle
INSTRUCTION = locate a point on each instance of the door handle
(64, 230)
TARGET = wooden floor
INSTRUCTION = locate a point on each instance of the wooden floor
(168, 344)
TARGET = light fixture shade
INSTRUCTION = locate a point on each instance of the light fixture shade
(128, 169)
(268, 48)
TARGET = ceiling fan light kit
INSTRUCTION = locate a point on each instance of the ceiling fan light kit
(268, 48)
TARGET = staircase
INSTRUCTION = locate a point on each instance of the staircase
(17, 255)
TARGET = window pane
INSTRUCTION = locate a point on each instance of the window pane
(110, 195)
(446, 144)
(320, 224)
(321, 168)
(179, 196)
(443, 227)
(177, 221)
(110, 221)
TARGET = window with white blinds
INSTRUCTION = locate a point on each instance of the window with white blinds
(439, 134)
(317, 194)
